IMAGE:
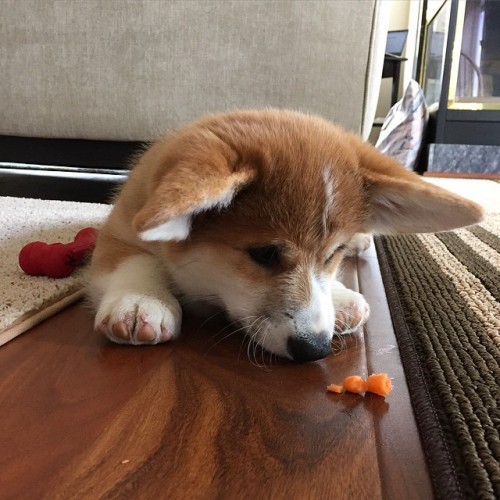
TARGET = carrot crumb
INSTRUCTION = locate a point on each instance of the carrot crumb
(335, 388)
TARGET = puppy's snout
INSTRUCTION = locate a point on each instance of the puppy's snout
(308, 347)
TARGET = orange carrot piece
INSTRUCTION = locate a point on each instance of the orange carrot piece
(335, 388)
(354, 383)
(379, 383)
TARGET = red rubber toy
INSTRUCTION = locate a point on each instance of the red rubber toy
(57, 260)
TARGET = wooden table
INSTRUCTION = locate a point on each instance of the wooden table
(199, 418)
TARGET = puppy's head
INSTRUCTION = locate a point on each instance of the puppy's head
(253, 210)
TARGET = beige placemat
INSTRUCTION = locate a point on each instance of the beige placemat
(27, 300)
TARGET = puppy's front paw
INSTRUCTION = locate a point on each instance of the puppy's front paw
(351, 310)
(358, 244)
(138, 319)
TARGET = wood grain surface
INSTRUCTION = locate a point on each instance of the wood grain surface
(203, 417)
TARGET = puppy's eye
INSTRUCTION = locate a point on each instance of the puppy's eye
(340, 248)
(267, 256)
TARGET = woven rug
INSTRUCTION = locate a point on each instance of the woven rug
(27, 300)
(443, 291)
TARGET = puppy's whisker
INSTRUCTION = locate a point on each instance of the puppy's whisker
(182, 266)
(264, 352)
(248, 337)
(249, 342)
(254, 352)
(224, 337)
(236, 322)
(254, 344)
(233, 332)
(210, 318)
(339, 342)
(263, 339)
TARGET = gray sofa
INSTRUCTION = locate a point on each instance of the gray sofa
(130, 70)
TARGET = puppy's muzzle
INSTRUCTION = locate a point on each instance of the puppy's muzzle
(305, 347)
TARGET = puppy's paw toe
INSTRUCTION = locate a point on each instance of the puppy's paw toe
(136, 320)
(351, 313)
(146, 333)
(120, 330)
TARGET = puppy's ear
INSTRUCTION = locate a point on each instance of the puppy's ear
(201, 178)
(402, 202)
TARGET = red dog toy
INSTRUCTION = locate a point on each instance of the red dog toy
(57, 260)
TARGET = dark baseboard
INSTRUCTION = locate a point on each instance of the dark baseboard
(64, 169)
(54, 186)
(68, 152)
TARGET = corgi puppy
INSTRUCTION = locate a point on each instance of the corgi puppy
(252, 212)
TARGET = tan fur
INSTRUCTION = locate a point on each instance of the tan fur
(235, 181)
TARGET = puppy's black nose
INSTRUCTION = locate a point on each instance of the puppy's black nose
(309, 348)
